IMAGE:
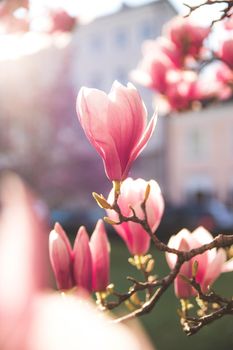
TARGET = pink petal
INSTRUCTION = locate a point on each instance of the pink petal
(214, 269)
(61, 260)
(100, 249)
(82, 265)
(182, 288)
(175, 242)
(58, 228)
(141, 144)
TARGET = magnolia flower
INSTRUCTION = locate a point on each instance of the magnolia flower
(210, 264)
(187, 36)
(222, 81)
(87, 265)
(152, 72)
(61, 21)
(159, 57)
(131, 196)
(115, 124)
(183, 88)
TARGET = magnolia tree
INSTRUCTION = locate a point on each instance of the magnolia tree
(116, 126)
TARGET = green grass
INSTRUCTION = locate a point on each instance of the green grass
(162, 324)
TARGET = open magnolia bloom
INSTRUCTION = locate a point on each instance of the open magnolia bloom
(186, 35)
(116, 126)
(210, 264)
(132, 195)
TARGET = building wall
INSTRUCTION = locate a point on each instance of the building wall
(40, 137)
(199, 153)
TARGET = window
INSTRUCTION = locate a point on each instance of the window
(96, 43)
(196, 144)
(121, 38)
(146, 31)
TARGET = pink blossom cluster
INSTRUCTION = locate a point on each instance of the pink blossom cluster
(86, 265)
(175, 66)
(210, 264)
(122, 116)
(32, 315)
(116, 126)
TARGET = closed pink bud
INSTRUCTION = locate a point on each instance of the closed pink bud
(82, 265)
(225, 52)
(100, 249)
(132, 195)
(187, 36)
(116, 125)
(60, 258)
(210, 264)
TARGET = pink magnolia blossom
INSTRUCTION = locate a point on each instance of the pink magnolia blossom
(210, 264)
(152, 72)
(87, 265)
(132, 195)
(159, 57)
(225, 52)
(187, 36)
(183, 88)
(222, 81)
(115, 124)
(100, 257)
(61, 21)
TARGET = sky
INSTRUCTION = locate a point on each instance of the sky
(93, 8)
(89, 9)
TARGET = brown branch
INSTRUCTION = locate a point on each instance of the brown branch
(190, 325)
(226, 12)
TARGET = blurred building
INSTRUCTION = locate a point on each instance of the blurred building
(40, 76)
(199, 160)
